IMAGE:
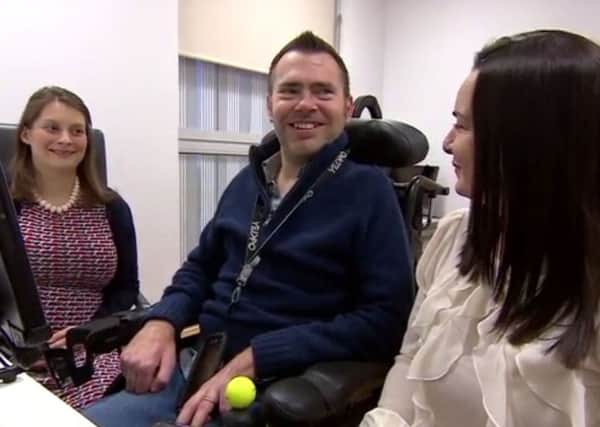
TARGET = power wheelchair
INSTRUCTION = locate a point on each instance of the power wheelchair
(330, 393)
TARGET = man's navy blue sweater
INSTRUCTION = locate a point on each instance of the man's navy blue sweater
(334, 283)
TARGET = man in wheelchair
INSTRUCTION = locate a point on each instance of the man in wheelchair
(305, 260)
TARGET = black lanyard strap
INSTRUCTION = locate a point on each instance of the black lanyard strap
(253, 247)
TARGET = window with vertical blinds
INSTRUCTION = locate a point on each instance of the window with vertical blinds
(214, 97)
(222, 112)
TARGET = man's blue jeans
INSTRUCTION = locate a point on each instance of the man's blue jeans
(140, 410)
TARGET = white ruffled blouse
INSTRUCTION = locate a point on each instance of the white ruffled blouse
(453, 371)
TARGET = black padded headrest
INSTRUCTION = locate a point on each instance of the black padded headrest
(386, 143)
(369, 103)
(8, 144)
(381, 142)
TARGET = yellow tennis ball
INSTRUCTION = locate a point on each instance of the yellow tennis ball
(240, 392)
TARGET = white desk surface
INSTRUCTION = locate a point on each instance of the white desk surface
(27, 403)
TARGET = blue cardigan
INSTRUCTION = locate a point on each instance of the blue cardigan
(121, 293)
(334, 283)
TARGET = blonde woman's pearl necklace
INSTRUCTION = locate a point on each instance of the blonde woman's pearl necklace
(62, 208)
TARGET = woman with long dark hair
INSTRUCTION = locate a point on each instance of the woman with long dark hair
(505, 328)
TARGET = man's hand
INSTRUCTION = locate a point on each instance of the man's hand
(196, 411)
(150, 357)
(59, 339)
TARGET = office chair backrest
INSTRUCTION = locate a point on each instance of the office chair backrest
(8, 146)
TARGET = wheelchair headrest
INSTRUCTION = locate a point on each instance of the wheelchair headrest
(388, 143)
(369, 103)
(381, 142)
(8, 137)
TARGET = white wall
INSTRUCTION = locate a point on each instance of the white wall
(362, 44)
(414, 54)
(248, 33)
(121, 58)
(430, 46)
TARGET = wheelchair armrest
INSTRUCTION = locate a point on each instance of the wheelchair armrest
(430, 187)
(83, 342)
(324, 391)
(102, 336)
(141, 303)
(112, 332)
(108, 333)
(423, 184)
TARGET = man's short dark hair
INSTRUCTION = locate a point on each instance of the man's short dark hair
(308, 42)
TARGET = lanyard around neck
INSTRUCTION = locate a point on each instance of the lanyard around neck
(254, 246)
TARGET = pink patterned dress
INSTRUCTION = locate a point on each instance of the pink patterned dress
(73, 257)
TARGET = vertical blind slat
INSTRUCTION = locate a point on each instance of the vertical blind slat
(214, 98)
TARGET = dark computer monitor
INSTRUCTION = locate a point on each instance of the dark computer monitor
(22, 321)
